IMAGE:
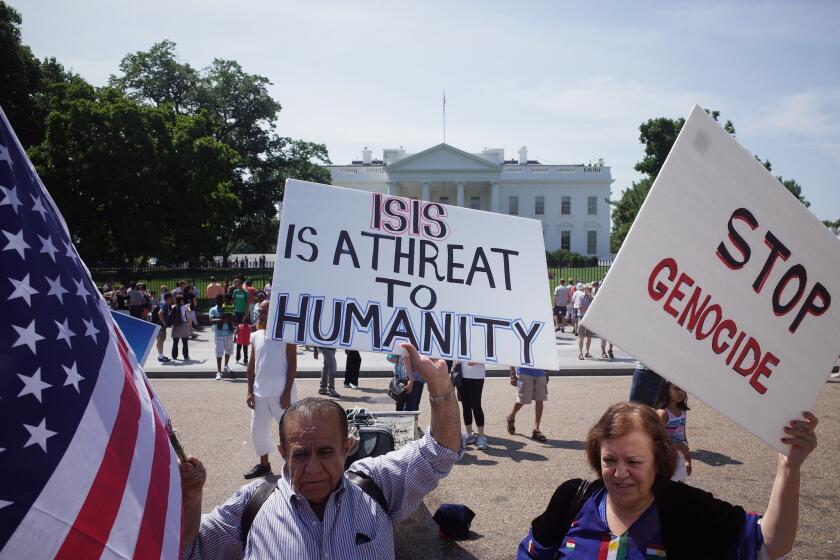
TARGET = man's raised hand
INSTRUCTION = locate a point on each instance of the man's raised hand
(434, 372)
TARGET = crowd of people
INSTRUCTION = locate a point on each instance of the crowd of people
(232, 316)
(569, 306)
(638, 505)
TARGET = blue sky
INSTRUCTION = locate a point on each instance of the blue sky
(572, 81)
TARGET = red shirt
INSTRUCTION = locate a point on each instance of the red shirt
(243, 334)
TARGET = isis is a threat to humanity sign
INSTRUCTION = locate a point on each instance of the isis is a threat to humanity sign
(369, 271)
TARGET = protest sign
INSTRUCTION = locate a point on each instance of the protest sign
(139, 334)
(369, 271)
(724, 285)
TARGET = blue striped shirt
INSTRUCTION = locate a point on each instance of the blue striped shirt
(286, 526)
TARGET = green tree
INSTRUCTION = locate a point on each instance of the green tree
(134, 181)
(658, 136)
(20, 76)
(157, 77)
(244, 117)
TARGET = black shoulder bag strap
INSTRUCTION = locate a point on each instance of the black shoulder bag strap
(255, 502)
(369, 487)
(550, 528)
(258, 498)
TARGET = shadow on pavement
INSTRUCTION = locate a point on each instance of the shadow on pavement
(417, 537)
(713, 458)
(345, 398)
(574, 444)
(371, 390)
(181, 362)
(476, 458)
(501, 447)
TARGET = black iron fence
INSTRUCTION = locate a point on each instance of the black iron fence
(585, 274)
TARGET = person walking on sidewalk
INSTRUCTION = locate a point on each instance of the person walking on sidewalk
(352, 366)
(533, 386)
(243, 338)
(271, 388)
(180, 328)
(161, 316)
(328, 372)
(223, 335)
(469, 393)
(561, 304)
(583, 299)
(240, 300)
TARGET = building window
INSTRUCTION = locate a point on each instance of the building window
(591, 242)
(475, 202)
(539, 206)
(566, 206)
(566, 240)
(592, 205)
(513, 205)
(444, 200)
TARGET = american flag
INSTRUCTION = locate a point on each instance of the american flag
(86, 468)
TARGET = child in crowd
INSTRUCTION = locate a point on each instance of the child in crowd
(243, 338)
(671, 406)
(410, 398)
(227, 306)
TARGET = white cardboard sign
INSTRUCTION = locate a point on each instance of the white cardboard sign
(724, 285)
(369, 271)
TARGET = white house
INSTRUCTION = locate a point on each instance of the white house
(569, 200)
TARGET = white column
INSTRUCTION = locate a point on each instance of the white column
(460, 187)
(392, 187)
(494, 196)
(426, 194)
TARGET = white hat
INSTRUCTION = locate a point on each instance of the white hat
(580, 286)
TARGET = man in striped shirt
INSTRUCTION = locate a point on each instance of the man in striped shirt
(315, 511)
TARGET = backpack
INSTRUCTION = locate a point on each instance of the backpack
(155, 319)
(258, 498)
(176, 318)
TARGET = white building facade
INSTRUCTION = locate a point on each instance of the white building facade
(569, 200)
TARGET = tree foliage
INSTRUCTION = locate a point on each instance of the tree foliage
(157, 77)
(166, 161)
(20, 79)
(244, 117)
(113, 165)
(658, 137)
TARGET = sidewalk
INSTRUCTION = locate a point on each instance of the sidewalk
(202, 363)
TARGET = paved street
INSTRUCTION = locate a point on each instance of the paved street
(512, 481)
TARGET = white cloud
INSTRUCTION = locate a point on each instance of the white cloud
(808, 117)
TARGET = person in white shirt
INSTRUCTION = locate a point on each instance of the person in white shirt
(583, 299)
(271, 388)
(561, 303)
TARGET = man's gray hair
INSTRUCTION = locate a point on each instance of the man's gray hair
(314, 407)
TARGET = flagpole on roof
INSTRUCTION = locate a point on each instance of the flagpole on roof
(444, 116)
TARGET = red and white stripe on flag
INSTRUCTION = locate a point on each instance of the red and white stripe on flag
(129, 505)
